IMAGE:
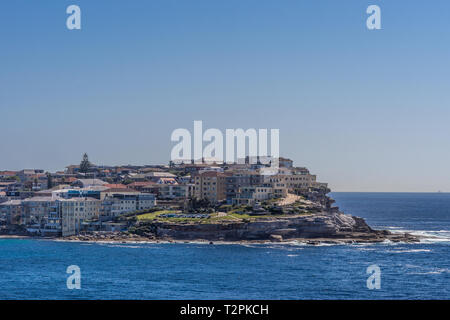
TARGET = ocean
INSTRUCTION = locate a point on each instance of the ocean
(36, 269)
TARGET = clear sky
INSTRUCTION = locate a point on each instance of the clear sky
(364, 110)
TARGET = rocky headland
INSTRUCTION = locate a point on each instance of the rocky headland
(321, 227)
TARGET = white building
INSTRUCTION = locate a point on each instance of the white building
(72, 212)
(115, 204)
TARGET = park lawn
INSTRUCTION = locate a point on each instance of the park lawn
(156, 216)
(240, 216)
(231, 216)
(153, 215)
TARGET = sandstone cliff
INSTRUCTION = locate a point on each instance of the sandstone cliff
(335, 227)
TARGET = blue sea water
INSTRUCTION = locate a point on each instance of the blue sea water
(36, 269)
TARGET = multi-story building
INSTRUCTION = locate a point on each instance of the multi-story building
(115, 204)
(294, 181)
(252, 194)
(29, 174)
(72, 212)
(177, 191)
(51, 215)
(240, 179)
(35, 211)
(210, 185)
(36, 182)
(11, 211)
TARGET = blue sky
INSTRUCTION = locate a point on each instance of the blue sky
(364, 110)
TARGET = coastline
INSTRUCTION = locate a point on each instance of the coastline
(116, 238)
(297, 241)
(322, 228)
(125, 238)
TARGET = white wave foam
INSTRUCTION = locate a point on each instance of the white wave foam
(427, 236)
(125, 246)
(366, 249)
(434, 271)
(408, 250)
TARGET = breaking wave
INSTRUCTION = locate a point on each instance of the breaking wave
(427, 236)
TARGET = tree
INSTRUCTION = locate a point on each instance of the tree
(195, 203)
(49, 181)
(85, 164)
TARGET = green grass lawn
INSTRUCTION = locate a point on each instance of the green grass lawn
(153, 215)
(156, 216)
(231, 216)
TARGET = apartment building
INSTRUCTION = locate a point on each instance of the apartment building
(11, 211)
(210, 185)
(291, 181)
(239, 179)
(252, 194)
(29, 174)
(115, 204)
(51, 215)
(35, 211)
(177, 191)
(249, 195)
(72, 212)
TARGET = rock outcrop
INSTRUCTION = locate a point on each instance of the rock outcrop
(323, 226)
